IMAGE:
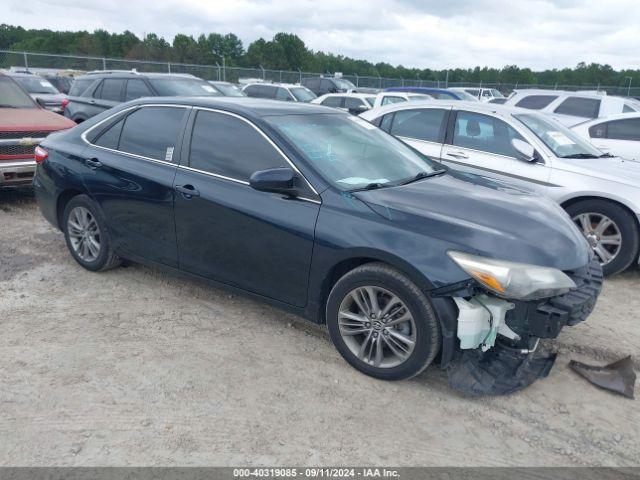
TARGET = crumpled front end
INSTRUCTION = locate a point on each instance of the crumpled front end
(498, 337)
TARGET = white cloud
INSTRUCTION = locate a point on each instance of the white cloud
(429, 34)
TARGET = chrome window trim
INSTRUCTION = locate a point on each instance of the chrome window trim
(266, 137)
(128, 154)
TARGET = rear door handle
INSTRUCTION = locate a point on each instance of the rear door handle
(457, 155)
(187, 191)
(93, 163)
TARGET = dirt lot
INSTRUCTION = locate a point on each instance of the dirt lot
(138, 367)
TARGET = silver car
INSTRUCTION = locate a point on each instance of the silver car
(532, 151)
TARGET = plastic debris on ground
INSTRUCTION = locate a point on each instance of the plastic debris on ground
(618, 376)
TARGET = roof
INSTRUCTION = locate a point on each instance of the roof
(245, 106)
(275, 84)
(133, 74)
(349, 94)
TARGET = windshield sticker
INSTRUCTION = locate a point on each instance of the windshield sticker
(560, 138)
(168, 157)
(44, 83)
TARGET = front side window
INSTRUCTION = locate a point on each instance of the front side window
(562, 141)
(334, 102)
(536, 102)
(348, 151)
(226, 145)
(627, 129)
(579, 107)
(283, 94)
(302, 94)
(386, 100)
(137, 88)
(111, 89)
(484, 133)
(12, 96)
(229, 90)
(183, 87)
(423, 124)
(158, 142)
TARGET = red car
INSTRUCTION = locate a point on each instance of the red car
(23, 125)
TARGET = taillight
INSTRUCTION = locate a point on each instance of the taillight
(41, 154)
(64, 103)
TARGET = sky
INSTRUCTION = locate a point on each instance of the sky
(436, 34)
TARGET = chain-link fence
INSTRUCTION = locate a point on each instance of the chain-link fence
(44, 61)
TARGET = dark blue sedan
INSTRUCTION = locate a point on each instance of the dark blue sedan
(328, 216)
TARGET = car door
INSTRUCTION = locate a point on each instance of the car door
(229, 232)
(481, 144)
(129, 172)
(422, 128)
(618, 137)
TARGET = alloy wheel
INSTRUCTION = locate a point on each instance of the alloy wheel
(602, 233)
(84, 234)
(377, 326)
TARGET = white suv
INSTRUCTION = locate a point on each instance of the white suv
(287, 92)
(354, 103)
(482, 94)
(571, 108)
(531, 151)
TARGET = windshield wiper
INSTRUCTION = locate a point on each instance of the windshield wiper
(421, 175)
(606, 155)
(370, 186)
(580, 155)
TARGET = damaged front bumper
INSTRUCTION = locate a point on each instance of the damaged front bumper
(496, 338)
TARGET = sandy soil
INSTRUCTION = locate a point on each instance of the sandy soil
(138, 367)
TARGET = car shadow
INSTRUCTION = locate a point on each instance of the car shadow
(16, 197)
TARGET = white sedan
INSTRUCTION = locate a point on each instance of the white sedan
(615, 134)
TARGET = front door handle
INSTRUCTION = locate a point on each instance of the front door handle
(187, 191)
(457, 155)
(93, 163)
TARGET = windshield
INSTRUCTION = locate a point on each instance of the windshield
(350, 152)
(12, 96)
(229, 90)
(496, 93)
(302, 94)
(371, 100)
(466, 96)
(36, 85)
(560, 140)
(343, 84)
(178, 87)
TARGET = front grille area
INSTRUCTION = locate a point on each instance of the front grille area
(18, 135)
(17, 149)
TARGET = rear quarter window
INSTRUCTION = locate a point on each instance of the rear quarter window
(536, 102)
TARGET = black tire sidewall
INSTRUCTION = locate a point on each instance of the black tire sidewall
(625, 222)
(104, 255)
(423, 314)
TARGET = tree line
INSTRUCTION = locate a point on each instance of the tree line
(285, 51)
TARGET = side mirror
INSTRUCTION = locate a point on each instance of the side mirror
(524, 150)
(358, 110)
(277, 180)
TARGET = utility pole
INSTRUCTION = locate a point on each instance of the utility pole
(629, 86)
(446, 81)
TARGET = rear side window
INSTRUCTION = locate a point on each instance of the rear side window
(251, 90)
(484, 133)
(136, 89)
(112, 89)
(351, 102)
(265, 91)
(79, 86)
(579, 107)
(422, 124)
(392, 99)
(333, 102)
(627, 129)
(158, 142)
(311, 83)
(536, 102)
(230, 147)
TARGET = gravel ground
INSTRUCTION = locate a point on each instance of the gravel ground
(138, 367)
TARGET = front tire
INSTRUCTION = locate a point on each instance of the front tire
(382, 323)
(611, 231)
(86, 234)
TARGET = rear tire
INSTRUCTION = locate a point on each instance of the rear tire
(388, 296)
(86, 234)
(620, 239)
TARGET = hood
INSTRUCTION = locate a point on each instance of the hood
(476, 215)
(614, 169)
(32, 119)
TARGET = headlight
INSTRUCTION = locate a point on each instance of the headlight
(514, 280)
